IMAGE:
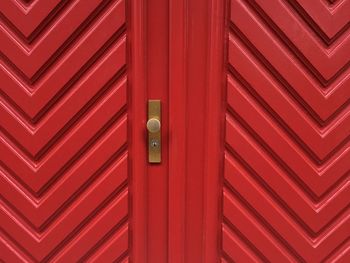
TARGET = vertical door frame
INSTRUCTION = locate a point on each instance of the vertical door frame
(157, 86)
(216, 107)
(137, 159)
(177, 128)
(149, 182)
(213, 93)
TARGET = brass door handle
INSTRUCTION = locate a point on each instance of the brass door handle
(154, 131)
(153, 125)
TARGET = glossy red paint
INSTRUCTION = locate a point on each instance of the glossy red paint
(64, 117)
(286, 172)
(255, 131)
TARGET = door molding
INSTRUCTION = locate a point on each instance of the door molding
(196, 84)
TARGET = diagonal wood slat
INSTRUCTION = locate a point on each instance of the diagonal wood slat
(63, 131)
(316, 215)
(36, 174)
(237, 249)
(331, 19)
(287, 138)
(321, 142)
(38, 210)
(29, 60)
(27, 19)
(324, 101)
(317, 179)
(113, 248)
(32, 98)
(33, 139)
(327, 61)
(41, 245)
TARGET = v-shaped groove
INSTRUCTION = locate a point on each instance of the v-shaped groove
(35, 21)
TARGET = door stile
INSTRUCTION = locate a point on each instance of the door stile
(157, 71)
(137, 97)
(177, 128)
(215, 123)
(196, 82)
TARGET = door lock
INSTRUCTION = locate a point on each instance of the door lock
(154, 131)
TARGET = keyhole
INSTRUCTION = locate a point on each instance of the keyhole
(154, 143)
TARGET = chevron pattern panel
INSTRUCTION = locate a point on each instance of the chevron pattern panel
(63, 121)
(287, 155)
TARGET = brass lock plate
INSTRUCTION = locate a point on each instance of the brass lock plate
(154, 131)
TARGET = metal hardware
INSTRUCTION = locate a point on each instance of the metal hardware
(153, 125)
(154, 131)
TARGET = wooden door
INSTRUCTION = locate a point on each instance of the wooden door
(65, 131)
(254, 129)
(286, 165)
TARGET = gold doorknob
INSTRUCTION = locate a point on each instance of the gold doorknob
(153, 125)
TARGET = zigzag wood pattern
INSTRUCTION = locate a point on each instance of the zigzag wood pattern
(63, 126)
(330, 19)
(27, 19)
(287, 158)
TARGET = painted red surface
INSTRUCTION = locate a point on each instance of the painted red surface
(287, 161)
(255, 131)
(64, 131)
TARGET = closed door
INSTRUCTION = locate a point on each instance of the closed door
(251, 158)
(286, 165)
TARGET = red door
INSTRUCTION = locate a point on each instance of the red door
(287, 161)
(254, 138)
(64, 131)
